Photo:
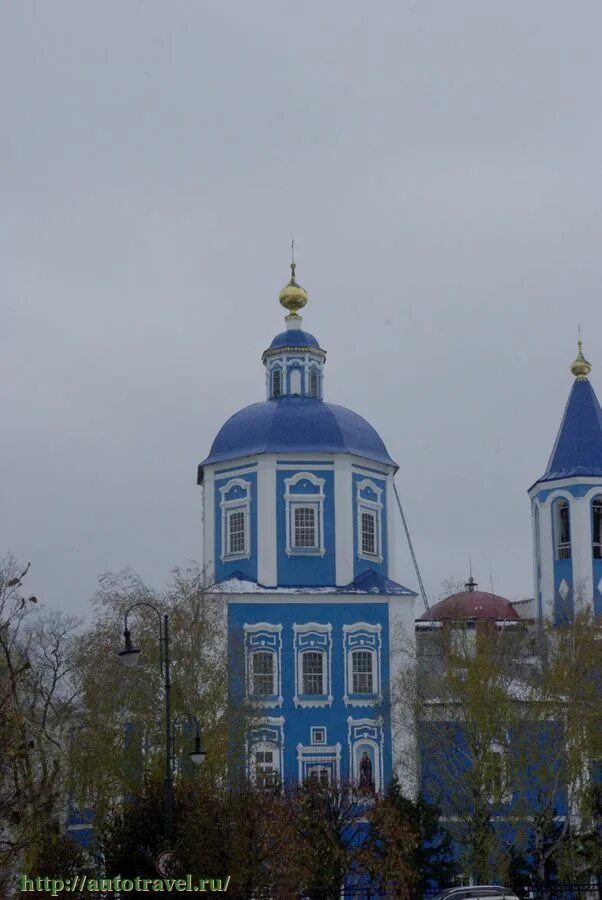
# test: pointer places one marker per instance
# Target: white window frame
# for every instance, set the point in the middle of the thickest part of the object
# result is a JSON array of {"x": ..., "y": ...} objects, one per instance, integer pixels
[
  {"x": 263, "y": 637},
  {"x": 277, "y": 367},
  {"x": 267, "y": 736},
  {"x": 500, "y": 750},
  {"x": 374, "y": 507},
  {"x": 323, "y": 772},
  {"x": 562, "y": 549},
  {"x": 322, "y": 656},
  {"x": 294, "y": 501},
  {"x": 227, "y": 507},
  {"x": 371, "y": 655},
  {"x": 252, "y": 674},
  {"x": 307, "y": 507},
  {"x": 367, "y": 637},
  {"x": 322, "y": 755},
  {"x": 596, "y": 503},
  {"x": 275, "y": 769},
  {"x": 312, "y": 637},
  {"x": 313, "y": 370}
]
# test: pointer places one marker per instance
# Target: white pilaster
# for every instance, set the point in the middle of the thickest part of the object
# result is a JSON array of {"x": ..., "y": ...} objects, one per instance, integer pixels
[
  {"x": 343, "y": 521},
  {"x": 535, "y": 544},
  {"x": 209, "y": 524},
  {"x": 581, "y": 543},
  {"x": 267, "y": 569},
  {"x": 547, "y": 560},
  {"x": 393, "y": 533}
]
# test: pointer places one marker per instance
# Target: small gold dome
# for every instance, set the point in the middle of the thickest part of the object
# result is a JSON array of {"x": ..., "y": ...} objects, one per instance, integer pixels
[
  {"x": 292, "y": 296},
  {"x": 581, "y": 368}
]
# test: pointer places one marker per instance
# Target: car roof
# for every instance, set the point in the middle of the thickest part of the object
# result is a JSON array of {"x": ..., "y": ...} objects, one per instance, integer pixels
[{"x": 477, "y": 887}]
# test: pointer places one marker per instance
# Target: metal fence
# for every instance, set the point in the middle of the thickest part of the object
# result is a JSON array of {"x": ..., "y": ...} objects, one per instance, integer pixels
[
  {"x": 561, "y": 891},
  {"x": 558, "y": 891}
]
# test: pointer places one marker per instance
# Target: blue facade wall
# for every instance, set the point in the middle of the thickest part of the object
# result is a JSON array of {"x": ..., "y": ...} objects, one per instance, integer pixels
[
  {"x": 535, "y": 782},
  {"x": 361, "y": 564},
  {"x": 223, "y": 567},
  {"x": 299, "y": 720},
  {"x": 306, "y": 570}
]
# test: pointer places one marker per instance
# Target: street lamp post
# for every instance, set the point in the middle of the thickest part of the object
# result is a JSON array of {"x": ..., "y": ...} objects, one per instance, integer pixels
[{"x": 129, "y": 657}]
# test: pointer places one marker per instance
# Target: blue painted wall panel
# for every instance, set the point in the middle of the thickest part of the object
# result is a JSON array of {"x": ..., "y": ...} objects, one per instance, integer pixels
[{"x": 299, "y": 720}]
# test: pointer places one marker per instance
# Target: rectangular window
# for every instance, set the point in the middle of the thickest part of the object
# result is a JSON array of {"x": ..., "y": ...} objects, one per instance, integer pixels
[
  {"x": 262, "y": 675},
  {"x": 313, "y": 382},
  {"x": 369, "y": 533},
  {"x": 304, "y": 527},
  {"x": 236, "y": 532},
  {"x": 265, "y": 772},
  {"x": 318, "y": 735},
  {"x": 276, "y": 382},
  {"x": 319, "y": 775},
  {"x": 313, "y": 672},
  {"x": 563, "y": 525},
  {"x": 363, "y": 679}
]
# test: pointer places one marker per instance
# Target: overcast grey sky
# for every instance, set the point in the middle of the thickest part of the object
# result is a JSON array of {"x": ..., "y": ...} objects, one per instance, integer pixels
[{"x": 439, "y": 163}]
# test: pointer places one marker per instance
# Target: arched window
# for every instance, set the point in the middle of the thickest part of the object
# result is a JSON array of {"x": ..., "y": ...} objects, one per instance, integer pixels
[
  {"x": 262, "y": 673},
  {"x": 562, "y": 529},
  {"x": 276, "y": 381},
  {"x": 597, "y": 527},
  {"x": 314, "y": 381},
  {"x": 313, "y": 672},
  {"x": 294, "y": 381}
]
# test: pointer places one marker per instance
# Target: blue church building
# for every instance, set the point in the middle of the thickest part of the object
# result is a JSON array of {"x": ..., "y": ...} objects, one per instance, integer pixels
[
  {"x": 300, "y": 536},
  {"x": 566, "y": 506}
]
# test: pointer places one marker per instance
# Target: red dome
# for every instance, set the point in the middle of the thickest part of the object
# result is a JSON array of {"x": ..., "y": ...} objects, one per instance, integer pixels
[{"x": 471, "y": 605}]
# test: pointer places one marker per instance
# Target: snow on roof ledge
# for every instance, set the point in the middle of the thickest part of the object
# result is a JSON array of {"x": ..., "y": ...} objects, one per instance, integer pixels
[{"x": 369, "y": 582}]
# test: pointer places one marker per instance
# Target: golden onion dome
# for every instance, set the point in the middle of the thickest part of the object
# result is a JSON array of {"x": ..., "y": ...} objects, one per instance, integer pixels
[
  {"x": 580, "y": 367},
  {"x": 292, "y": 296}
]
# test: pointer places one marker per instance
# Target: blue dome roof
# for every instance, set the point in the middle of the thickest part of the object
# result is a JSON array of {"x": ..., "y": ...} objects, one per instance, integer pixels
[
  {"x": 297, "y": 425},
  {"x": 294, "y": 338}
]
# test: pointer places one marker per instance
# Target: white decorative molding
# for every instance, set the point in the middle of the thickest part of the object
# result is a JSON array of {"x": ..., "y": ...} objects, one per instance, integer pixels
[
  {"x": 294, "y": 500},
  {"x": 267, "y": 734},
  {"x": 312, "y": 733},
  {"x": 236, "y": 504},
  {"x": 258, "y": 637},
  {"x": 375, "y": 508},
  {"x": 362, "y": 636},
  {"x": 312, "y": 636},
  {"x": 319, "y": 755}
]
